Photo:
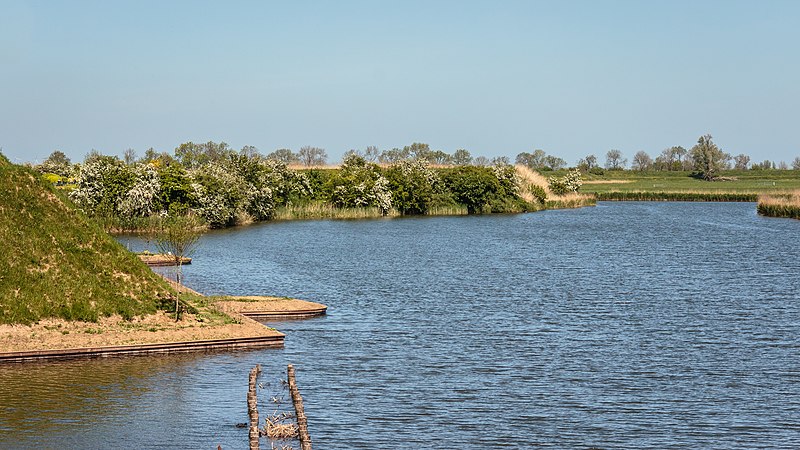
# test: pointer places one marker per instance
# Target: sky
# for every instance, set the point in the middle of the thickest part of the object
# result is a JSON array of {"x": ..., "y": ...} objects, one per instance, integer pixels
[{"x": 494, "y": 77}]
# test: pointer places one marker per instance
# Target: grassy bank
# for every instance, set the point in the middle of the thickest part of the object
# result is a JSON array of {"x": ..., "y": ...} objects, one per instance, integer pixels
[
  {"x": 667, "y": 185},
  {"x": 57, "y": 263},
  {"x": 780, "y": 205}
]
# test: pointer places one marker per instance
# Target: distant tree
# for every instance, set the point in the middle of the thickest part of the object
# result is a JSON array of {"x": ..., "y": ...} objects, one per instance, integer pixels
[
  {"x": 462, "y": 157},
  {"x": 708, "y": 159},
  {"x": 418, "y": 150},
  {"x": 764, "y": 165},
  {"x": 312, "y": 156},
  {"x": 554, "y": 162},
  {"x": 614, "y": 160},
  {"x": 129, "y": 156},
  {"x": 92, "y": 155},
  {"x": 501, "y": 161},
  {"x": 439, "y": 157},
  {"x": 642, "y": 161},
  {"x": 150, "y": 155},
  {"x": 393, "y": 156},
  {"x": 680, "y": 155},
  {"x": 535, "y": 160},
  {"x": 58, "y": 158},
  {"x": 250, "y": 151},
  {"x": 783, "y": 166},
  {"x": 178, "y": 238},
  {"x": 57, "y": 163},
  {"x": 588, "y": 163},
  {"x": 796, "y": 163},
  {"x": 193, "y": 155},
  {"x": 371, "y": 153},
  {"x": 285, "y": 156},
  {"x": 741, "y": 161},
  {"x": 481, "y": 161}
]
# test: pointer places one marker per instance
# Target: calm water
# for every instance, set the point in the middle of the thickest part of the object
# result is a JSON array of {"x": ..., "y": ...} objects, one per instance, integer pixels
[{"x": 628, "y": 325}]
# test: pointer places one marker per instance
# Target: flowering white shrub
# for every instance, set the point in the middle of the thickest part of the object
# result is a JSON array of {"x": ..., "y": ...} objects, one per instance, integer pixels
[
  {"x": 141, "y": 200},
  {"x": 506, "y": 174},
  {"x": 360, "y": 184},
  {"x": 284, "y": 182},
  {"x": 100, "y": 183},
  {"x": 570, "y": 182}
]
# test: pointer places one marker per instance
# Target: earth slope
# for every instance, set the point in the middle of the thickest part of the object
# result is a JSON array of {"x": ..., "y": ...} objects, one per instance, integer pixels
[{"x": 57, "y": 263}]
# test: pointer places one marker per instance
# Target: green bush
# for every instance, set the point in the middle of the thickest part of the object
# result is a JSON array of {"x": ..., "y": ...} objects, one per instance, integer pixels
[{"x": 413, "y": 185}]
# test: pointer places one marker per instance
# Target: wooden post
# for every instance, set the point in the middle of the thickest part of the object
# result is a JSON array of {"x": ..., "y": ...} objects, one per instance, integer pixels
[
  {"x": 302, "y": 423},
  {"x": 252, "y": 407}
]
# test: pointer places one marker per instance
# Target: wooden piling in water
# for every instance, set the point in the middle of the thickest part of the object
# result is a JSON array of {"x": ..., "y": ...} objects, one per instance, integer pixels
[
  {"x": 252, "y": 407},
  {"x": 302, "y": 423}
]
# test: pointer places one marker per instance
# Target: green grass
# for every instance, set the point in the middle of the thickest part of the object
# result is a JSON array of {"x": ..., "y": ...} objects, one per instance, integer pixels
[
  {"x": 663, "y": 183},
  {"x": 57, "y": 263}
]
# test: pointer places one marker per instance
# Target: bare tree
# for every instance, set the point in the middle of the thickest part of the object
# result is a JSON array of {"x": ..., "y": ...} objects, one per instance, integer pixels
[
  {"x": 796, "y": 163},
  {"x": 741, "y": 161},
  {"x": 588, "y": 163},
  {"x": 285, "y": 156},
  {"x": 178, "y": 238},
  {"x": 129, "y": 156},
  {"x": 312, "y": 156},
  {"x": 614, "y": 160},
  {"x": 641, "y": 161},
  {"x": 371, "y": 153},
  {"x": 481, "y": 161}
]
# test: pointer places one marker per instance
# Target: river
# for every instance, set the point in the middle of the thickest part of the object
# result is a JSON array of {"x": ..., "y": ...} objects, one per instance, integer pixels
[{"x": 627, "y": 325}]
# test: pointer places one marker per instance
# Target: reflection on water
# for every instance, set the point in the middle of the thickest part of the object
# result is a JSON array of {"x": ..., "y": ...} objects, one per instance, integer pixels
[{"x": 629, "y": 325}]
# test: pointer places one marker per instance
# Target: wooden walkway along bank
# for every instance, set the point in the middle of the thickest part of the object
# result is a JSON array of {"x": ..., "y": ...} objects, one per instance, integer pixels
[{"x": 141, "y": 349}]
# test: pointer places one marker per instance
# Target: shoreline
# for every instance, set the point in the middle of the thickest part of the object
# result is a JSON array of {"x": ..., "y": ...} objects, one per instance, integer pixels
[{"x": 54, "y": 339}]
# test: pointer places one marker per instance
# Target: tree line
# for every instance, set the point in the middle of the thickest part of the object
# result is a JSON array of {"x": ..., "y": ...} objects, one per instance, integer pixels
[{"x": 224, "y": 187}]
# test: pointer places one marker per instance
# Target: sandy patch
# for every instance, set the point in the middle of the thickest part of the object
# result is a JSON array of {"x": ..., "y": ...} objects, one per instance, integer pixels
[
  {"x": 271, "y": 304},
  {"x": 114, "y": 331}
]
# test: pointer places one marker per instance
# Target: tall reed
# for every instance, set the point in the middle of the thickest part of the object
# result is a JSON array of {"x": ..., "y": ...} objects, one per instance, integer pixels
[
  {"x": 780, "y": 205},
  {"x": 676, "y": 196}
]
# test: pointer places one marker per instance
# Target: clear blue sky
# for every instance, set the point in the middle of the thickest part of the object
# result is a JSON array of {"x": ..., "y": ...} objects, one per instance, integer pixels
[{"x": 494, "y": 77}]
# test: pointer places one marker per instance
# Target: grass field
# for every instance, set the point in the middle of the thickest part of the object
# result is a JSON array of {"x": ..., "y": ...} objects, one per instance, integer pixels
[{"x": 737, "y": 182}]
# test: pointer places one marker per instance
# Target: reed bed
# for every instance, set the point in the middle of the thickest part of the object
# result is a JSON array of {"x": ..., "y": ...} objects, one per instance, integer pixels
[
  {"x": 449, "y": 210},
  {"x": 571, "y": 200},
  {"x": 319, "y": 210},
  {"x": 780, "y": 205},
  {"x": 676, "y": 196}
]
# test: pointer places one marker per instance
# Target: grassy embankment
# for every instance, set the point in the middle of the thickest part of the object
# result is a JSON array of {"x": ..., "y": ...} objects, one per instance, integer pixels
[
  {"x": 58, "y": 264},
  {"x": 680, "y": 186}
]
